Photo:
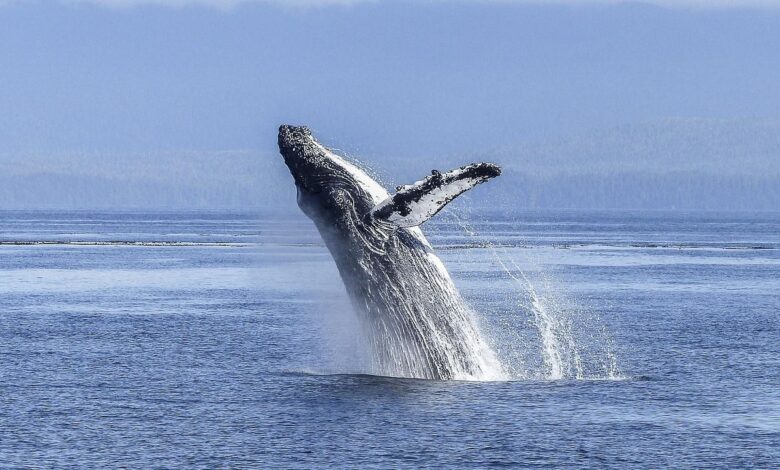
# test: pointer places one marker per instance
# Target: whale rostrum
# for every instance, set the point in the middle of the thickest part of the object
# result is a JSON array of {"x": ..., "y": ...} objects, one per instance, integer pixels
[{"x": 414, "y": 319}]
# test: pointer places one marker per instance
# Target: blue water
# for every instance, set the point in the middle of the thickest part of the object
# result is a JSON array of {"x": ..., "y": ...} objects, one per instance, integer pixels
[{"x": 202, "y": 340}]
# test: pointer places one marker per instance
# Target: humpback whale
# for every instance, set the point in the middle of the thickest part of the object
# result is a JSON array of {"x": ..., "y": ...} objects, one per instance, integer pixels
[{"x": 416, "y": 323}]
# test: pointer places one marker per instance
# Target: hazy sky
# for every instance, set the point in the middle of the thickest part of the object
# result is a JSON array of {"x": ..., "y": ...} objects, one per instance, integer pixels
[{"x": 383, "y": 77}]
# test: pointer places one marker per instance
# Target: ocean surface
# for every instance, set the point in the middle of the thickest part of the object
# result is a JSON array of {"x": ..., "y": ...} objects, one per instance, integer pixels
[{"x": 213, "y": 340}]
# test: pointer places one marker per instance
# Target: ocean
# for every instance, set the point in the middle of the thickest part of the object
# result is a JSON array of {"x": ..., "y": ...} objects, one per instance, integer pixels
[{"x": 226, "y": 340}]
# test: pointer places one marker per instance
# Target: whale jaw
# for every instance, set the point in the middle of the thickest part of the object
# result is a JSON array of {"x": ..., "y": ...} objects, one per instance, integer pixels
[{"x": 298, "y": 148}]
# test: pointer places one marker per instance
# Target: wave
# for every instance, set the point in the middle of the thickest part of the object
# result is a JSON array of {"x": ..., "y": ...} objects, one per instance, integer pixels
[
  {"x": 116, "y": 243},
  {"x": 362, "y": 376},
  {"x": 445, "y": 247},
  {"x": 618, "y": 245}
]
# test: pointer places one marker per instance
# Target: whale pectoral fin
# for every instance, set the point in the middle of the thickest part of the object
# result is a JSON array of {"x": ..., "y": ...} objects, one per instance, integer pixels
[{"x": 415, "y": 203}]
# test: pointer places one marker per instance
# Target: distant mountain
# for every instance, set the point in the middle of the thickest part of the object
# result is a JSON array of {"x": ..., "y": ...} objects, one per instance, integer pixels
[
  {"x": 673, "y": 164},
  {"x": 673, "y": 145},
  {"x": 168, "y": 180}
]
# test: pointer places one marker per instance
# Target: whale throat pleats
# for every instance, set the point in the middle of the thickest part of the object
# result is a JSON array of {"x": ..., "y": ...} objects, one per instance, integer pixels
[{"x": 415, "y": 203}]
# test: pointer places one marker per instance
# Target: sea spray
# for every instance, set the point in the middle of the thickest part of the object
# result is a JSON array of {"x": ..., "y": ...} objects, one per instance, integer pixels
[
  {"x": 426, "y": 332},
  {"x": 569, "y": 341},
  {"x": 415, "y": 326}
]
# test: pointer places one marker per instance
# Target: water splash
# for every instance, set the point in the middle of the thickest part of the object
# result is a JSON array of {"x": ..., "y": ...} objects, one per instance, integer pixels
[
  {"x": 414, "y": 320},
  {"x": 424, "y": 329},
  {"x": 571, "y": 342}
]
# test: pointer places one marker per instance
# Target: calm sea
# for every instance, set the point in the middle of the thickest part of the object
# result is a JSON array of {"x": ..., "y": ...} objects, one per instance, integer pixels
[{"x": 210, "y": 340}]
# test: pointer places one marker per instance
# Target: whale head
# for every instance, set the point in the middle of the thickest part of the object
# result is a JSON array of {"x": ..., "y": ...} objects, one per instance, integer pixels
[{"x": 326, "y": 182}]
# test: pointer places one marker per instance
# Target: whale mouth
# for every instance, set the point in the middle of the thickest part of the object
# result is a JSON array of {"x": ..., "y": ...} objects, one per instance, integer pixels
[{"x": 296, "y": 145}]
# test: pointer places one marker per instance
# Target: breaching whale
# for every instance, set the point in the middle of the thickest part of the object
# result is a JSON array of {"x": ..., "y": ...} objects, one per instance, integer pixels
[{"x": 416, "y": 322}]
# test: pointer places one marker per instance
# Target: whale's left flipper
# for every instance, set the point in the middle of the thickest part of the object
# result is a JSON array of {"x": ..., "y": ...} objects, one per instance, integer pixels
[{"x": 415, "y": 203}]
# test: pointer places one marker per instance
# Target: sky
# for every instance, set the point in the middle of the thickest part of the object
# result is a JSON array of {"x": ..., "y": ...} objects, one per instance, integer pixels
[{"x": 384, "y": 80}]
